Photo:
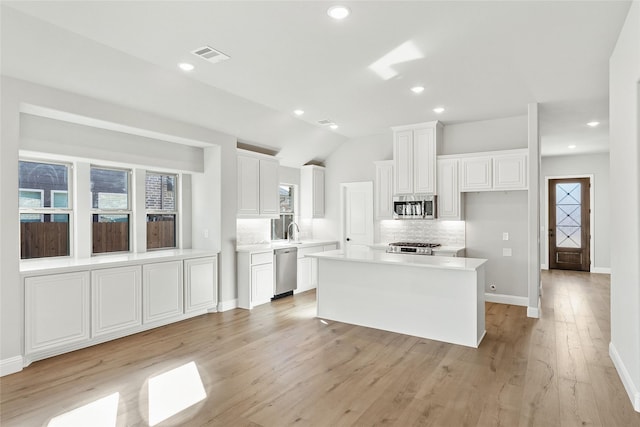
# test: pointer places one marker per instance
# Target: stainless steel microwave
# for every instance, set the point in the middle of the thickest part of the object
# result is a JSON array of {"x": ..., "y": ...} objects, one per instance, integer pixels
[{"x": 416, "y": 206}]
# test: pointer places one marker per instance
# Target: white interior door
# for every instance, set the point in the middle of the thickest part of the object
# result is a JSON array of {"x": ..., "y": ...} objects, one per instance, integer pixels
[{"x": 357, "y": 214}]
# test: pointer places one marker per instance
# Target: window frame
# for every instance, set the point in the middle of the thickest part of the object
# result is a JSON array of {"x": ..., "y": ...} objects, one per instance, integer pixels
[
  {"x": 42, "y": 210},
  {"x": 175, "y": 212},
  {"x": 98, "y": 211}
]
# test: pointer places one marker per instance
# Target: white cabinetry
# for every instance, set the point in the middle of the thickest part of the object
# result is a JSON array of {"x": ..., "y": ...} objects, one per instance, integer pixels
[
  {"x": 258, "y": 181},
  {"x": 384, "y": 190},
  {"x": 414, "y": 156},
  {"x": 311, "y": 191},
  {"x": 510, "y": 172},
  {"x": 116, "y": 299},
  {"x": 493, "y": 171},
  {"x": 450, "y": 201},
  {"x": 162, "y": 291},
  {"x": 255, "y": 278},
  {"x": 200, "y": 284},
  {"x": 56, "y": 310}
]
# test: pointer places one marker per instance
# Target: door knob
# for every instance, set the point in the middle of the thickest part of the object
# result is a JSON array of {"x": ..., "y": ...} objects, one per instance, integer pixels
[{"x": 348, "y": 239}]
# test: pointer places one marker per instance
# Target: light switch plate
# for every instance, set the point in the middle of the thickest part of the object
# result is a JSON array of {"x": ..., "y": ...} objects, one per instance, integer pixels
[
  {"x": 506, "y": 251},
  {"x": 505, "y": 236}
]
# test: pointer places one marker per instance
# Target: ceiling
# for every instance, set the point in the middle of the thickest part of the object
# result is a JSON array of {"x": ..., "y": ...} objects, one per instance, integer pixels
[{"x": 479, "y": 60}]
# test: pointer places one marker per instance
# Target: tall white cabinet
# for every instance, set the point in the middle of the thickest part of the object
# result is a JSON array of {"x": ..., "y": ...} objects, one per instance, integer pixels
[
  {"x": 383, "y": 197},
  {"x": 312, "y": 191},
  {"x": 415, "y": 148},
  {"x": 258, "y": 182}
]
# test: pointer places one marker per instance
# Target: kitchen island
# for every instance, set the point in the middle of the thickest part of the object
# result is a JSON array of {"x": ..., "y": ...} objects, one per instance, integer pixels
[{"x": 438, "y": 298}]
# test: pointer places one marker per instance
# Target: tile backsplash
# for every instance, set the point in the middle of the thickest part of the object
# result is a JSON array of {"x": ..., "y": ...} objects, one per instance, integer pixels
[
  {"x": 254, "y": 231},
  {"x": 447, "y": 233}
]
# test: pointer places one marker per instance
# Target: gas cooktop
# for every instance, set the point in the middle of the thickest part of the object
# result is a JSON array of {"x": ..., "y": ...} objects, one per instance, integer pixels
[
  {"x": 415, "y": 244},
  {"x": 417, "y": 248}
]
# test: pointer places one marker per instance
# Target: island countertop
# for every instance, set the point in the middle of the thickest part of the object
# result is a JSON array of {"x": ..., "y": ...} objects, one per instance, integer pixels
[{"x": 367, "y": 255}]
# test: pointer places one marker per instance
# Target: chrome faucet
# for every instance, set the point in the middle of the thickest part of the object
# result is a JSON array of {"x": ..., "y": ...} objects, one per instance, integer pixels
[{"x": 289, "y": 230}]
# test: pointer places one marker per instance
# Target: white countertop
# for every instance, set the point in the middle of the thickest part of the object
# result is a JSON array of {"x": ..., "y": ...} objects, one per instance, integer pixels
[
  {"x": 376, "y": 256},
  {"x": 60, "y": 265},
  {"x": 264, "y": 247}
]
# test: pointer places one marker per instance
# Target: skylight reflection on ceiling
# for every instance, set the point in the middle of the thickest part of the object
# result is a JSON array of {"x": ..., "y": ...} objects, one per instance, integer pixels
[
  {"x": 174, "y": 391},
  {"x": 406, "y": 52},
  {"x": 99, "y": 413}
]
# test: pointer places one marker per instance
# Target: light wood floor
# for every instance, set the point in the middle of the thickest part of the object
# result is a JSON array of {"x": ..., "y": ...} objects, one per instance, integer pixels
[{"x": 278, "y": 365}]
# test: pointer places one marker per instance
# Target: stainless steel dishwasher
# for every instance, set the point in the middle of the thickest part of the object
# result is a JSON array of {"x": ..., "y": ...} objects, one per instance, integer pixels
[{"x": 286, "y": 271}]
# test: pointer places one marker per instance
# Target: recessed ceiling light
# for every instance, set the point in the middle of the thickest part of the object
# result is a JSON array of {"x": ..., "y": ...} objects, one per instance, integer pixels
[
  {"x": 338, "y": 12},
  {"x": 593, "y": 124},
  {"x": 572, "y": 146},
  {"x": 333, "y": 126},
  {"x": 438, "y": 110},
  {"x": 417, "y": 89},
  {"x": 185, "y": 66},
  {"x": 298, "y": 112}
]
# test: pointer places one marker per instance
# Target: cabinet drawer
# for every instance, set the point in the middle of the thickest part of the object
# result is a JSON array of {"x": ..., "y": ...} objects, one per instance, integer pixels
[{"x": 262, "y": 258}]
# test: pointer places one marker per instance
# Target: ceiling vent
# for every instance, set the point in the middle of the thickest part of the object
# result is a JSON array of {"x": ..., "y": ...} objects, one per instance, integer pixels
[
  {"x": 325, "y": 122},
  {"x": 210, "y": 54}
]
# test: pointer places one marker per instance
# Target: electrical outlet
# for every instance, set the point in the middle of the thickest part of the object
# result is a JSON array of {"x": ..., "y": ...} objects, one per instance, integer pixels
[
  {"x": 206, "y": 233},
  {"x": 492, "y": 287},
  {"x": 505, "y": 236},
  {"x": 506, "y": 251}
]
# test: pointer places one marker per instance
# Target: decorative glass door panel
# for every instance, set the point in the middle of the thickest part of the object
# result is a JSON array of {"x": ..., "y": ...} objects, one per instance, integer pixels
[{"x": 569, "y": 224}]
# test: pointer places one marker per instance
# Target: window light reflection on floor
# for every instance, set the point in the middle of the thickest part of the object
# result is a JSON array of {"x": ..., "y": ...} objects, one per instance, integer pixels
[
  {"x": 174, "y": 391},
  {"x": 99, "y": 413}
]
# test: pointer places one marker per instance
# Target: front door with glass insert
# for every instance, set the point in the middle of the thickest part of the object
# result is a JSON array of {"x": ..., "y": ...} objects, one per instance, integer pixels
[{"x": 569, "y": 235}]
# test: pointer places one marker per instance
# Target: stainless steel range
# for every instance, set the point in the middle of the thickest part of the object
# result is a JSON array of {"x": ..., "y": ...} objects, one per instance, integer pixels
[{"x": 416, "y": 248}]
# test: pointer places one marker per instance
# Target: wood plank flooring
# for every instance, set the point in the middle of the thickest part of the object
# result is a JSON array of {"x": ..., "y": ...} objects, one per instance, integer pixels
[{"x": 278, "y": 365}]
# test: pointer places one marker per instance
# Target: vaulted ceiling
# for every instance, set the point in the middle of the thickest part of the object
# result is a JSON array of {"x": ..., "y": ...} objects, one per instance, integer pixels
[{"x": 479, "y": 60}]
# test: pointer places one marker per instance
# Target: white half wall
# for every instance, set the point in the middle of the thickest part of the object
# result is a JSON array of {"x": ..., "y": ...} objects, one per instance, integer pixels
[{"x": 624, "y": 158}]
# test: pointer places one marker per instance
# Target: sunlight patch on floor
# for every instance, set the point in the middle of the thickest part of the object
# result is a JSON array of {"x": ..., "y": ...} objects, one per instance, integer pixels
[
  {"x": 99, "y": 413},
  {"x": 174, "y": 391}
]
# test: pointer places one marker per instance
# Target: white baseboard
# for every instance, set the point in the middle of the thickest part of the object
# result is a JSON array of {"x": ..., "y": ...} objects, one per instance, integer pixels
[
  {"x": 228, "y": 305},
  {"x": 627, "y": 381},
  {"x": 11, "y": 365},
  {"x": 544, "y": 267},
  {"x": 602, "y": 270},
  {"x": 506, "y": 299},
  {"x": 534, "y": 312}
]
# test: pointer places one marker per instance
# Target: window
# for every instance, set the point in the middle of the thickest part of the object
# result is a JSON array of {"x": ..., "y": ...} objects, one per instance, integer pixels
[
  {"x": 280, "y": 226},
  {"x": 111, "y": 212},
  {"x": 45, "y": 211},
  {"x": 162, "y": 211}
]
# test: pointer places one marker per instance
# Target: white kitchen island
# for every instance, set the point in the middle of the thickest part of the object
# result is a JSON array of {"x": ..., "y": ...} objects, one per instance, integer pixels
[{"x": 438, "y": 298}]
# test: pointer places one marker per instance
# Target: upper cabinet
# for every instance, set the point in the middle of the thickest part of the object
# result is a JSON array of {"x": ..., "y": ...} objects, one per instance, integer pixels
[
  {"x": 312, "y": 191},
  {"x": 258, "y": 181},
  {"x": 450, "y": 201},
  {"x": 384, "y": 190},
  {"x": 414, "y": 157},
  {"x": 493, "y": 171}
]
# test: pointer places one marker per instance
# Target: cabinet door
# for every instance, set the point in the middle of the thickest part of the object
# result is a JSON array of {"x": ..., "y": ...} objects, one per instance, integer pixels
[
  {"x": 510, "y": 172},
  {"x": 161, "y": 291},
  {"x": 304, "y": 274},
  {"x": 424, "y": 161},
  {"x": 56, "y": 310},
  {"x": 248, "y": 186},
  {"x": 384, "y": 190},
  {"x": 201, "y": 283},
  {"x": 269, "y": 183},
  {"x": 475, "y": 174},
  {"x": 261, "y": 283},
  {"x": 116, "y": 302},
  {"x": 403, "y": 162},
  {"x": 318, "y": 193},
  {"x": 449, "y": 200}
]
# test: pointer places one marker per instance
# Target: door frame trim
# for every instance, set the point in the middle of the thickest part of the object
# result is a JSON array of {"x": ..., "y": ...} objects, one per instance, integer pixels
[{"x": 545, "y": 204}]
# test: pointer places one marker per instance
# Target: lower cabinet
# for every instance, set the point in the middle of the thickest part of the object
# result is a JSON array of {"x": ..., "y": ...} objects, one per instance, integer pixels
[
  {"x": 261, "y": 283},
  {"x": 56, "y": 310},
  {"x": 255, "y": 278},
  {"x": 200, "y": 290},
  {"x": 116, "y": 302},
  {"x": 162, "y": 291}
]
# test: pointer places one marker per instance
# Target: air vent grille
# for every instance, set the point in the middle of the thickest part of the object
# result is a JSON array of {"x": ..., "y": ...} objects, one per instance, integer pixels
[
  {"x": 325, "y": 122},
  {"x": 210, "y": 54}
]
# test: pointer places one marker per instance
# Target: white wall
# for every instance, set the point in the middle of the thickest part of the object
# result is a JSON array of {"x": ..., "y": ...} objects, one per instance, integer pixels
[
  {"x": 486, "y": 135},
  {"x": 624, "y": 154},
  {"x": 488, "y": 215},
  {"x": 581, "y": 165}
]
